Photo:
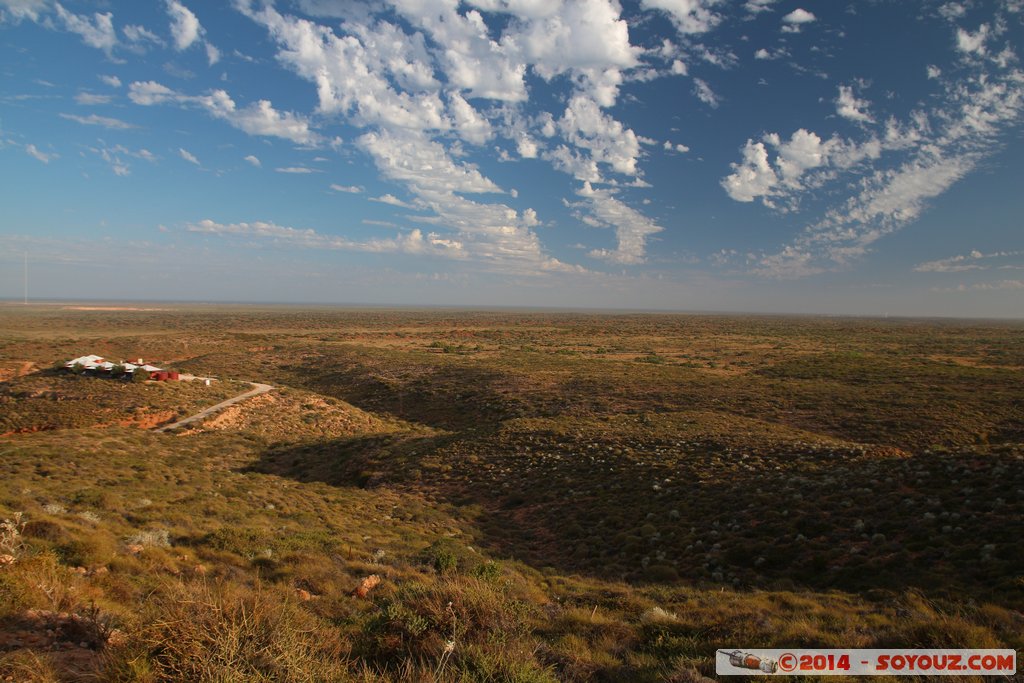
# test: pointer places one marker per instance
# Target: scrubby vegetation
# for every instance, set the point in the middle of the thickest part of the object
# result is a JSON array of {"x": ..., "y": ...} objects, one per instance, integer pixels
[{"x": 459, "y": 496}]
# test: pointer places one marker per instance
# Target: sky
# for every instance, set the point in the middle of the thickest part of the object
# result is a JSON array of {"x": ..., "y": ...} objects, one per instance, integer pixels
[{"x": 829, "y": 157}]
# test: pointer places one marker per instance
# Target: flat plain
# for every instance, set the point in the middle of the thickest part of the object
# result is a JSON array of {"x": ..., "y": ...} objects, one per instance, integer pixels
[{"x": 543, "y": 496}]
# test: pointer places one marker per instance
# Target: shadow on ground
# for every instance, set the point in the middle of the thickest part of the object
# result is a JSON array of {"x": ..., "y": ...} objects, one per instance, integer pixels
[{"x": 854, "y": 519}]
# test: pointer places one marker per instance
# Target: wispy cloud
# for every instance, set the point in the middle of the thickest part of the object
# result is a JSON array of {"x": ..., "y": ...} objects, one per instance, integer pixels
[
  {"x": 412, "y": 242},
  {"x": 998, "y": 286},
  {"x": 89, "y": 99},
  {"x": 95, "y": 120},
  {"x": 926, "y": 154},
  {"x": 188, "y": 156},
  {"x": 974, "y": 260},
  {"x": 35, "y": 152},
  {"x": 259, "y": 118}
]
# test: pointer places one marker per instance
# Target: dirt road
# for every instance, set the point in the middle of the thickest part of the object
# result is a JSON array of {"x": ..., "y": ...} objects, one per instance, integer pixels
[{"x": 256, "y": 391}]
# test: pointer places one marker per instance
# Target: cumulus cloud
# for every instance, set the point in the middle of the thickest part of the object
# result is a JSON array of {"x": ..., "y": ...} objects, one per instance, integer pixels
[
  {"x": 258, "y": 118},
  {"x": 350, "y": 189},
  {"x": 97, "y": 32},
  {"x": 254, "y": 161},
  {"x": 112, "y": 81},
  {"x": 185, "y": 26},
  {"x": 758, "y": 176},
  {"x": 935, "y": 149},
  {"x": 972, "y": 43},
  {"x": 850, "y": 107},
  {"x": 385, "y": 77},
  {"x": 689, "y": 16},
  {"x": 186, "y": 31},
  {"x": 799, "y": 16},
  {"x": 608, "y": 141}
]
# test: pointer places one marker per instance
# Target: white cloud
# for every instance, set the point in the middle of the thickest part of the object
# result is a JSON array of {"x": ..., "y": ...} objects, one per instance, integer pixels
[
  {"x": 758, "y": 6},
  {"x": 296, "y": 170},
  {"x": 350, "y": 189},
  {"x": 939, "y": 148},
  {"x": 253, "y": 160},
  {"x": 753, "y": 177},
  {"x": 188, "y": 156},
  {"x": 94, "y": 120},
  {"x": 185, "y": 26},
  {"x": 471, "y": 126},
  {"x": 140, "y": 36},
  {"x": 799, "y": 16},
  {"x": 689, "y": 16},
  {"x": 116, "y": 157},
  {"x": 23, "y": 9},
  {"x": 756, "y": 176},
  {"x": 392, "y": 200},
  {"x": 527, "y": 146},
  {"x": 607, "y": 140},
  {"x": 44, "y": 157},
  {"x": 379, "y": 76},
  {"x": 705, "y": 94},
  {"x": 89, "y": 99},
  {"x": 972, "y": 43},
  {"x": 424, "y": 164},
  {"x": 850, "y": 107},
  {"x": 413, "y": 242},
  {"x": 600, "y": 208},
  {"x": 259, "y": 118},
  {"x": 112, "y": 81},
  {"x": 952, "y": 11},
  {"x": 933, "y": 71},
  {"x": 975, "y": 260},
  {"x": 98, "y": 32},
  {"x": 186, "y": 31}
]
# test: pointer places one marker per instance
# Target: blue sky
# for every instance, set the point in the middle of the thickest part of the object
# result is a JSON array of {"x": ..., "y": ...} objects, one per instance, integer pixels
[{"x": 768, "y": 155}]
